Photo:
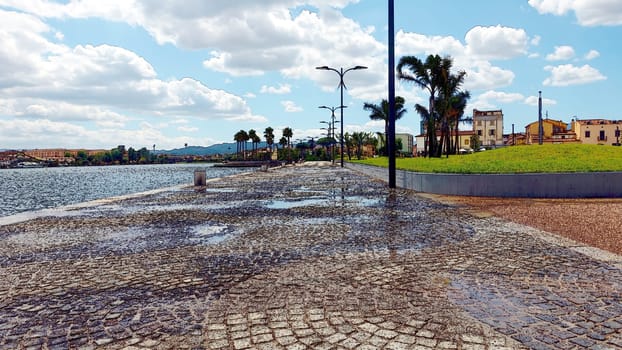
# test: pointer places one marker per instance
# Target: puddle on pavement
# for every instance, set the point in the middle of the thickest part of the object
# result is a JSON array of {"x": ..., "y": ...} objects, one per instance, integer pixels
[
  {"x": 359, "y": 201},
  {"x": 285, "y": 204},
  {"x": 211, "y": 233}
]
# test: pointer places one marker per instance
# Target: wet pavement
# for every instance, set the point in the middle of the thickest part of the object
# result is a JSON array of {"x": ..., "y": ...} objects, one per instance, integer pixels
[{"x": 305, "y": 257}]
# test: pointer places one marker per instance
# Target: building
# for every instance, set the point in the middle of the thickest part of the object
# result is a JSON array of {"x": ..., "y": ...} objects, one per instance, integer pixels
[
  {"x": 488, "y": 125},
  {"x": 553, "y": 131},
  {"x": 597, "y": 131},
  {"x": 464, "y": 139},
  {"x": 60, "y": 155},
  {"x": 408, "y": 146}
]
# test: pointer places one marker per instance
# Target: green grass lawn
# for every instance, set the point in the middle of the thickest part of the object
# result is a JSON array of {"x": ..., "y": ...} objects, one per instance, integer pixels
[{"x": 517, "y": 159}]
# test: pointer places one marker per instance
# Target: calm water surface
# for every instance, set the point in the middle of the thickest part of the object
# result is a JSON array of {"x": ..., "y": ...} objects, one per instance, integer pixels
[{"x": 41, "y": 188}]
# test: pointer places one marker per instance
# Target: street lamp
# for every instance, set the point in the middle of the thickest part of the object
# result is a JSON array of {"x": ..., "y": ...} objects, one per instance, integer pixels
[
  {"x": 332, "y": 118},
  {"x": 342, "y": 85}
]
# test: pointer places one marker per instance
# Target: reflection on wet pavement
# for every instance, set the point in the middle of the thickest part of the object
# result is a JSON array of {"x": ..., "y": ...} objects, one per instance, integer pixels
[{"x": 297, "y": 257}]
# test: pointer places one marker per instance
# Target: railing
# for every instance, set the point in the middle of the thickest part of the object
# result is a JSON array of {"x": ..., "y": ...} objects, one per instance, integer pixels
[{"x": 602, "y": 138}]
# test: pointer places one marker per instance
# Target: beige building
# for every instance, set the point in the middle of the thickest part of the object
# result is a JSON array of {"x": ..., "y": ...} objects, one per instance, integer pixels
[
  {"x": 58, "y": 154},
  {"x": 408, "y": 143},
  {"x": 597, "y": 131},
  {"x": 464, "y": 139},
  {"x": 488, "y": 125}
]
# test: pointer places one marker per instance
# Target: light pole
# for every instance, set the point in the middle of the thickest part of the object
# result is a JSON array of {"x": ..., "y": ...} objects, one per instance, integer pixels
[
  {"x": 332, "y": 119},
  {"x": 342, "y": 85}
]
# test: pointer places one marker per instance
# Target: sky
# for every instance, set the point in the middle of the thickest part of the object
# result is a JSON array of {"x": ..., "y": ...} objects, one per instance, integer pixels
[{"x": 96, "y": 74}]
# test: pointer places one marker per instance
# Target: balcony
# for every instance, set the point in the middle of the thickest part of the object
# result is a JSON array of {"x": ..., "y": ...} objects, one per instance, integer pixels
[{"x": 602, "y": 139}]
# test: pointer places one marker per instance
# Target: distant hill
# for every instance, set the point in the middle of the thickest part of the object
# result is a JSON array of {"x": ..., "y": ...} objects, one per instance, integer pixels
[{"x": 223, "y": 148}]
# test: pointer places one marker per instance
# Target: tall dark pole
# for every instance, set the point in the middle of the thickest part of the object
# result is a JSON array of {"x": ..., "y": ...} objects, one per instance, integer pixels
[
  {"x": 540, "y": 128},
  {"x": 391, "y": 131},
  {"x": 342, "y": 85}
]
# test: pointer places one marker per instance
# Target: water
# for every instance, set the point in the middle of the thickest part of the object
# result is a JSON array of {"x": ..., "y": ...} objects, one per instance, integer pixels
[{"x": 24, "y": 190}]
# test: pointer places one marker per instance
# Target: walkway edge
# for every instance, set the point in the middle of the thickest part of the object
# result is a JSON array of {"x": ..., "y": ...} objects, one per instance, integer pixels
[{"x": 540, "y": 185}]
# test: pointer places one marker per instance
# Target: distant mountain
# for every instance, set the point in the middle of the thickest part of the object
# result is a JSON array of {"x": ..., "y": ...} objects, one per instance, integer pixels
[{"x": 223, "y": 148}]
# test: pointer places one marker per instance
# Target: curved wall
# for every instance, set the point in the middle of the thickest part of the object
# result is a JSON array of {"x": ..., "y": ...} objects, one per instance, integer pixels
[{"x": 553, "y": 185}]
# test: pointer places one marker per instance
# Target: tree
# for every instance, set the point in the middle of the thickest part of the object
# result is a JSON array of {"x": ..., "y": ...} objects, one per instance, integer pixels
[
  {"x": 283, "y": 142},
  {"x": 475, "y": 142},
  {"x": 450, "y": 104},
  {"x": 240, "y": 138},
  {"x": 288, "y": 133},
  {"x": 428, "y": 75},
  {"x": 381, "y": 111},
  {"x": 268, "y": 134},
  {"x": 252, "y": 135}
]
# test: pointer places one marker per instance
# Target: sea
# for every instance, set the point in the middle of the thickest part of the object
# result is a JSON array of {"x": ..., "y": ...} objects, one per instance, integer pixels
[{"x": 31, "y": 189}]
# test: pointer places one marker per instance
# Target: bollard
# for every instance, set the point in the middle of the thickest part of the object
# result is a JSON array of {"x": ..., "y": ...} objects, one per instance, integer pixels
[{"x": 200, "y": 178}]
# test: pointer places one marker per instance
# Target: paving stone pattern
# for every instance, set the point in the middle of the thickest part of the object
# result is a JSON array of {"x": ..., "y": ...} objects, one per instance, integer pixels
[{"x": 304, "y": 257}]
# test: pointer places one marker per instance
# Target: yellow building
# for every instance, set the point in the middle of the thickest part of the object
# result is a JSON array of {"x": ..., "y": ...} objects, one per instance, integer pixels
[
  {"x": 553, "y": 131},
  {"x": 598, "y": 131}
]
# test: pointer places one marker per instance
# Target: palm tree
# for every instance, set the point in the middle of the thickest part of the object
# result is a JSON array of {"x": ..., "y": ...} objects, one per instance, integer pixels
[
  {"x": 252, "y": 135},
  {"x": 428, "y": 75},
  {"x": 288, "y": 133},
  {"x": 381, "y": 111},
  {"x": 268, "y": 134},
  {"x": 241, "y": 137},
  {"x": 358, "y": 139},
  {"x": 237, "y": 137},
  {"x": 457, "y": 105},
  {"x": 450, "y": 103}
]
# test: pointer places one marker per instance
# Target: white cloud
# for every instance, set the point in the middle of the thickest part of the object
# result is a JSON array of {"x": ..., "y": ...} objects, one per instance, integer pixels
[
  {"x": 592, "y": 55},
  {"x": 535, "y": 41},
  {"x": 280, "y": 90},
  {"x": 291, "y": 107},
  {"x": 533, "y": 101},
  {"x": 187, "y": 129},
  {"x": 496, "y": 42},
  {"x": 568, "y": 74},
  {"x": 502, "y": 97},
  {"x": 562, "y": 53},
  {"x": 481, "y": 74},
  {"x": 588, "y": 12}
]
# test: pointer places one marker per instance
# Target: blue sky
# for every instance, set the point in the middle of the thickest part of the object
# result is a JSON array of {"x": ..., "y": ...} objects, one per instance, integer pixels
[{"x": 97, "y": 74}]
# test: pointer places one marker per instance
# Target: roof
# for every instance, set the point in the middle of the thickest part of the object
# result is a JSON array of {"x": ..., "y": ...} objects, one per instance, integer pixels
[{"x": 598, "y": 121}]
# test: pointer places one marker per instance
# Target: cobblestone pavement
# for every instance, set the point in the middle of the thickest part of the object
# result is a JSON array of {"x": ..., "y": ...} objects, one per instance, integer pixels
[{"x": 305, "y": 257}]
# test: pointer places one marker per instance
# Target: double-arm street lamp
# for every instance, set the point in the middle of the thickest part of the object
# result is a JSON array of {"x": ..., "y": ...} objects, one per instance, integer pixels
[
  {"x": 342, "y": 85},
  {"x": 331, "y": 124}
]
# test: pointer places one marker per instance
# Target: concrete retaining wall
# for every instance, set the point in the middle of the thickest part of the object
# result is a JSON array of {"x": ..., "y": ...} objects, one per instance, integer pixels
[{"x": 554, "y": 185}]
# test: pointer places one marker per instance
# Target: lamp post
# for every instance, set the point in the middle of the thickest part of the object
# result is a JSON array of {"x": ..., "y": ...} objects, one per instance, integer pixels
[
  {"x": 342, "y": 85},
  {"x": 391, "y": 83},
  {"x": 332, "y": 125}
]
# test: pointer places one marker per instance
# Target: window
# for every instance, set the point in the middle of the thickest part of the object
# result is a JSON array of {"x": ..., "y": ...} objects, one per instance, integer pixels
[
  {"x": 467, "y": 142},
  {"x": 479, "y": 133},
  {"x": 602, "y": 136},
  {"x": 491, "y": 132},
  {"x": 587, "y": 134}
]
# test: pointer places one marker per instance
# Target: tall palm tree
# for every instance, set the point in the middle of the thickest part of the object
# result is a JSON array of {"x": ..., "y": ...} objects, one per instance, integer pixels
[
  {"x": 268, "y": 134},
  {"x": 252, "y": 135},
  {"x": 428, "y": 75},
  {"x": 457, "y": 105},
  {"x": 449, "y": 102},
  {"x": 288, "y": 133},
  {"x": 241, "y": 137},
  {"x": 381, "y": 111}
]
